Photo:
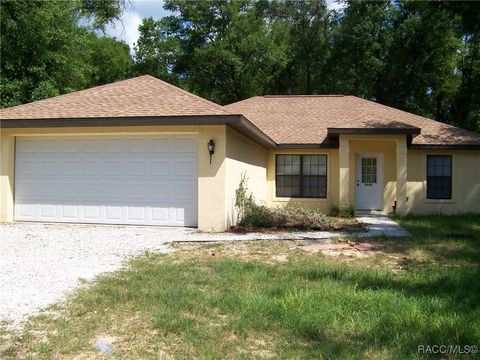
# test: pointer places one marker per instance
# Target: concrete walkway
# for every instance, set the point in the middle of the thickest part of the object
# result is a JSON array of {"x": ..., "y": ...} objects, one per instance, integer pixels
[
  {"x": 376, "y": 225},
  {"x": 381, "y": 226}
]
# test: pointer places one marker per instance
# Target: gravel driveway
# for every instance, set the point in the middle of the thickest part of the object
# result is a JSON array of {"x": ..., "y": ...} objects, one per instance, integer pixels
[{"x": 40, "y": 262}]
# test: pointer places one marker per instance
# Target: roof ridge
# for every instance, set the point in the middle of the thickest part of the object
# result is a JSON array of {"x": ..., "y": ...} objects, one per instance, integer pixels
[
  {"x": 179, "y": 89},
  {"x": 136, "y": 78},
  {"x": 300, "y": 95}
]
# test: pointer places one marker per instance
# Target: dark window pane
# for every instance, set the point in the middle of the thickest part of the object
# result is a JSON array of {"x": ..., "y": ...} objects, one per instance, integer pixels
[
  {"x": 301, "y": 176},
  {"x": 439, "y": 177}
]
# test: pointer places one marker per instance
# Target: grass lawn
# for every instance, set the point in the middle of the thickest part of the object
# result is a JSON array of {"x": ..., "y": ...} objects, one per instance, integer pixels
[{"x": 275, "y": 300}]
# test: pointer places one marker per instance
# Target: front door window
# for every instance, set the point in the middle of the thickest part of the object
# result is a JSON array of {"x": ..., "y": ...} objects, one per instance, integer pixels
[{"x": 369, "y": 170}]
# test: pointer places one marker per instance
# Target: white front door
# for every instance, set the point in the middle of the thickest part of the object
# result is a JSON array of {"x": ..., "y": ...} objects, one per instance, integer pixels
[
  {"x": 369, "y": 182},
  {"x": 141, "y": 180}
]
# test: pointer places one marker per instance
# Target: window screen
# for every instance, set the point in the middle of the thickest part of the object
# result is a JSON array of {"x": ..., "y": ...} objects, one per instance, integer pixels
[
  {"x": 439, "y": 177},
  {"x": 301, "y": 176}
]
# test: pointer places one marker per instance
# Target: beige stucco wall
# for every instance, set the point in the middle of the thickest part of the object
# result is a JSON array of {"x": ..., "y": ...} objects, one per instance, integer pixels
[
  {"x": 211, "y": 178},
  {"x": 465, "y": 183},
  {"x": 235, "y": 154},
  {"x": 323, "y": 204},
  {"x": 244, "y": 156},
  {"x": 7, "y": 150}
]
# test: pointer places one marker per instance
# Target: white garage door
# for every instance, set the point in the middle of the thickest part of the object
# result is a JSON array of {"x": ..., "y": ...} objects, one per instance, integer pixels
[{"x": 113, "y": 180}]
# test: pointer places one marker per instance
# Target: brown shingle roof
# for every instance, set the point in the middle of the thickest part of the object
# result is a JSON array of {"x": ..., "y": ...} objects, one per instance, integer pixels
[
  {"x": 136, "y": 97},
  {"x": 285, "y": 119},
  {"x": 305, "y": 119}
]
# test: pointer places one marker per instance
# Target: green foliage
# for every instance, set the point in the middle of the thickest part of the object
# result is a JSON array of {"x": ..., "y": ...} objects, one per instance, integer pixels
[
  {"x": 101, "y": 12},
  {"x": 224, "y": 49},
  {"x": 155, "y": 52},
  {"x": 345, "y": 211},
  {"x": 46, "y": 52},
  {"x": 251, "y": 214}
]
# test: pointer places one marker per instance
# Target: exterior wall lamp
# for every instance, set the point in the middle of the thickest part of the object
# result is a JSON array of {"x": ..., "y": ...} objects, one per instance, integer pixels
[{"x": 211, "y": 149}]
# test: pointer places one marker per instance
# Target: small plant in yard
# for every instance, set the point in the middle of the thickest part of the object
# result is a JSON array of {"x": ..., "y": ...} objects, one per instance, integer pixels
[
  {"x": 251, "y": 214},
  {"x": 345, "y": 211}
]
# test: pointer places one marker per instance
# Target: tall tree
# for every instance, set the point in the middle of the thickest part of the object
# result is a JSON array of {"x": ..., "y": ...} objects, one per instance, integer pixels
[
  {"x": 306, "y": 24},
  {"x": 225, "y": 51},
  {"x": 359, "y": 43},
  {"x": 46, "y": 51},
  {"x": 420, "y": 72},
  {"x": 156, "y": 52}
]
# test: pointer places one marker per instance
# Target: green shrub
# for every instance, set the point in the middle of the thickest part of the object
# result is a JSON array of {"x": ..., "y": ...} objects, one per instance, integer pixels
[
  {"x": 345, "y": 211},
  {"x": 251, "y": 214}
]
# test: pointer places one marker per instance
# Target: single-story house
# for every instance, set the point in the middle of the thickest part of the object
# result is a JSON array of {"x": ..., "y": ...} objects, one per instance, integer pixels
[{"x": 142, "y": 151}]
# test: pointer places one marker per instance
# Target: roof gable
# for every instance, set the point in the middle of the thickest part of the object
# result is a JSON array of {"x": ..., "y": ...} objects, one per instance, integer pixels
[{"x": 137, "y": 97}]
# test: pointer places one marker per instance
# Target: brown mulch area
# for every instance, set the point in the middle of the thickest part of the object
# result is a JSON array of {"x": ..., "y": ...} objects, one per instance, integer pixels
[{"x": 350, "y": 225}]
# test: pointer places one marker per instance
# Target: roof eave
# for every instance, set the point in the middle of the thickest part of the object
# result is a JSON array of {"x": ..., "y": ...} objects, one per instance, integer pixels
[
  {"x": 297, "y": 146},
  {"x": 445, "y": 147},
  {"x": 238, "y": 122},
  {"x": 336, "y": 132}
]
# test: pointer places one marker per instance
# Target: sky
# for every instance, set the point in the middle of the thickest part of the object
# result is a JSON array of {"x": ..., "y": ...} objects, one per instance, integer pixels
[{"x": 127, "y": 27}]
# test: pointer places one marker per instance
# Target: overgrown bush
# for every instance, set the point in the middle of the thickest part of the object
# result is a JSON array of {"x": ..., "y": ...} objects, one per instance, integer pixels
[
  {"x": 251, "y": 214},
  {"x": 345, "y": 211}
]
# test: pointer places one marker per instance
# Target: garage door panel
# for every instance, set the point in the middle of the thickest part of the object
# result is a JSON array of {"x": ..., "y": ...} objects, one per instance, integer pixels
[
  {"x": 92, "y": 167},
  {"x": 70, "y": 167},
  {"x": 162, "y": 167},
  {"x": 161, "y": 191},
  {"x": 69, "y": 212},
  {"x": 118, "y": 180},
  {"x": 91, "y": 190},
  {"x": 136, "y": 213},
  {"x": 113, "y": 213},
  {"x": 138, "y": 167},
  {"x": 71, "y": 147},
  {"x": 27, "y": 146},
  {"x": 161, "y": 145},
  {"x": 137, "y": 145},
  {"x": 50, "y": 167},
  {"x": 93, "y": 146},
  {"x": 50, "y": 146},
  {"x": 160, "y": 215},
  {"x": 114, "y": 145},
  {"x": 48, "y": 211},
  {"x": 30, "y": 168},
  {"x": 114, "y": 168},
  {"x": 25, "y": 210},
  {"x": 42, "y": 189},
  {"x": 136, "y": 191},
  {"x": 111, "y": 190}
]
